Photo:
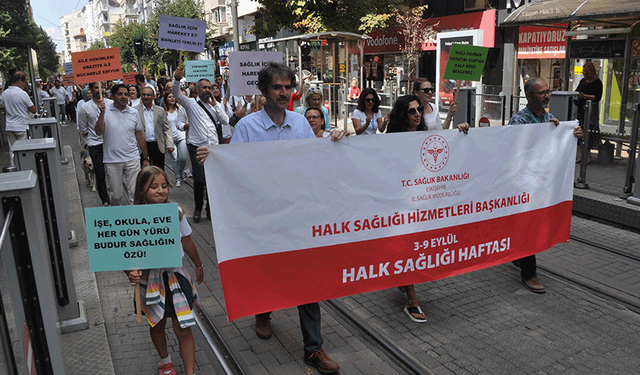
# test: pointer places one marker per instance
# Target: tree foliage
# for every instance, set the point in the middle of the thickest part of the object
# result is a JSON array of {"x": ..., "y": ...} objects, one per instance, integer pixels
[
  {"x": 97, "y": 44},
  {"x": 15, "y": 22},
  {"x": 316, "y": 16},
  {"x": 124, "y": 34},
  {"x": 412, "y": 25}
]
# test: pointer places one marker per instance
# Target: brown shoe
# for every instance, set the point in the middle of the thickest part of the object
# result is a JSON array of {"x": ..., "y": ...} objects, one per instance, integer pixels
[
  {"x": 263, "y": 325},
  {"x": 533, "y": 285},
  {"x": 322, "y": 362}
]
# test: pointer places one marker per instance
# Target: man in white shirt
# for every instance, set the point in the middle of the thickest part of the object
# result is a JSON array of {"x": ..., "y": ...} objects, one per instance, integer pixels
[
  {"x": 122, "y": 133},
  {"x": 157, "y": 130},
  {"x": 18, "y": 106},
  {"x": 61, "y": 99},
  {"x": 208, "y": 124},
  {"x": 87, "y": 117}
]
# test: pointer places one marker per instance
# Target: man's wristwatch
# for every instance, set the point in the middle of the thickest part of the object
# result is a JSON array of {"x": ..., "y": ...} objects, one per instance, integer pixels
[{"x": 145, "y": 158}]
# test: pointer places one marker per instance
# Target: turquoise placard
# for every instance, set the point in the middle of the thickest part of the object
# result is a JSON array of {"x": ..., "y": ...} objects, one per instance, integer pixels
[
  {"x": 198, "y": 69},
  {"x": 133, "y": 237}
]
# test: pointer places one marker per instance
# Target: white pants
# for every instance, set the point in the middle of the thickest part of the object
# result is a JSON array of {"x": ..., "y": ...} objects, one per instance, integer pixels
[
  {"x": 121, "y": 181},
  {"x": 12, "y": 137}
]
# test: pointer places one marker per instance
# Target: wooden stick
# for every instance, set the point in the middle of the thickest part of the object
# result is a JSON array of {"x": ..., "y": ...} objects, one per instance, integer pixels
[
  {"x": 100, "y": 88},
  {"x": 455, "y": 97},
  {"x": 180, "y": 59},
  {"x": 138, "y": 304}
]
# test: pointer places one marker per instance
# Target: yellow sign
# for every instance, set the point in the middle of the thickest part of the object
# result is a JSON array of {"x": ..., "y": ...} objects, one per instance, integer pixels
[
  {"x": 577, "y": 69},
  {"x": 106, "y": 34},
  {"x": 342, "y": 68}
]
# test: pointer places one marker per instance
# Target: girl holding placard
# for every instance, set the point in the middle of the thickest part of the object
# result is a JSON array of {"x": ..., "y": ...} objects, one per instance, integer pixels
[{"x": 167, "y": 292}]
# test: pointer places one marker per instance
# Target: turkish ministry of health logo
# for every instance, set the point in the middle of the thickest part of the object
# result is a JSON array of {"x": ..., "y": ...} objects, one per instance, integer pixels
[{"x": 434, "y": 153}]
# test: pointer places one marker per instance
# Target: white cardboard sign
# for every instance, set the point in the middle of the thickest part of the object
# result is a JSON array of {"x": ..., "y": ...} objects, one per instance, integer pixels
[
  {"x": 182, "y": 33},
  {"x": 244, "y": 68}
]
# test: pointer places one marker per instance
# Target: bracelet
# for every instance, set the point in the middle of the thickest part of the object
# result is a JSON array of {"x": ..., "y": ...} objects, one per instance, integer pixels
[
  {"x": 146, "y": 158},
  {"x": 201, "y": 267}
]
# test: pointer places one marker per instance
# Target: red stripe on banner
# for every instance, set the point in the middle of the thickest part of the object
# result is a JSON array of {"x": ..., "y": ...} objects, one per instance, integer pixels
[{"x": 270, "y": 282}]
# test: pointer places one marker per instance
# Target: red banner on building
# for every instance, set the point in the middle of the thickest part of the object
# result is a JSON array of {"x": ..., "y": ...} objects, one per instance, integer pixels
[{"x": 541, "y": 43}]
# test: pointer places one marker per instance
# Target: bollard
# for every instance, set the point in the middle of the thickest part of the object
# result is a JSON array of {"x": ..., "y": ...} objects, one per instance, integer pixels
[
  {"x": 51, "y": 107},
  {"x": 37, "y": 339},
  {"x": 40, "y": 155},
  {"x": 561, "y": 104},
  {"x": 582, "y": 179},
  {"x": 47, "y": 127},
  {"x": 628, "y": 179}
]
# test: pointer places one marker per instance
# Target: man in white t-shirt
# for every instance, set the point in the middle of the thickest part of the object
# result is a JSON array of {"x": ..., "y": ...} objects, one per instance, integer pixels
[
  {"x": 122, "y": 133},
  {"x": 18, "y": 106},
  {"x": 61, "y": 99}
]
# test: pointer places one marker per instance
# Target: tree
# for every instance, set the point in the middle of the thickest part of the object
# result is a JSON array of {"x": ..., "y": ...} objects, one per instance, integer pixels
[
  {"x": 315, "y": 16},
  {"x": 123, "y": 36},
  {"x": 412, "y": 25},
  {"x": 15, "y": 21},
  {"x": 97, "y": 44}
]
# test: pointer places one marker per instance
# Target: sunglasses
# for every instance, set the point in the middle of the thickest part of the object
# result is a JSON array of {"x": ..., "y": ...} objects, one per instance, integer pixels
[
  {"x": 369, "y": 100},
  {"x": 427, "y": 90},
  {"x": 413, "y": 111}
]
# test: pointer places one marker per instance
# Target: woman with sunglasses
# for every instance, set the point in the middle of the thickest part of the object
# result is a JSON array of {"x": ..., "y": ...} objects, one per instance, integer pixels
[
  {"x": 423, "y": 89},
  {"x": 368, "y": 117},
  {"x": 407, "y": 116}
]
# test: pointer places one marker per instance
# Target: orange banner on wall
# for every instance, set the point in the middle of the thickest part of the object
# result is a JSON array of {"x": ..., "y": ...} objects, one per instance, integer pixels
[{"x": 96, "y": 65}]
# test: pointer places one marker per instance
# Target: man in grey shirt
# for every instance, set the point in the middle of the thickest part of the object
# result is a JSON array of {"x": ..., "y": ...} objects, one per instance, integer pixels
[{"x": 122, "y": 133}]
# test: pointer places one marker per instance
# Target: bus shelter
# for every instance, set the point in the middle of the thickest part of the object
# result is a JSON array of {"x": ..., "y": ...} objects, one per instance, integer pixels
[{"x": 332, "y": 58}]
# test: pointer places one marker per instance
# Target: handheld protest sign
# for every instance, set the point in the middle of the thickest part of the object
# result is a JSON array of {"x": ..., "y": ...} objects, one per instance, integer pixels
[
  {"x": 68, "y": 68},
  {"x": 182, "y": 33},
  {"x": 244, "y": 68},
  {"x": 133, "y": 237},
  {"x": 96, "y": 65},
  {"x": 68, "y": 80},
  {"x": 129, "y": 78},
  {"x": 198, "y": 69},
  {"x": 465, "y": 63}
]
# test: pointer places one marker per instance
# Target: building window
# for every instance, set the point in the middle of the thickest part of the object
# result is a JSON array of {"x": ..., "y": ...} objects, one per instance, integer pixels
[{"x": 220, "y": 14}]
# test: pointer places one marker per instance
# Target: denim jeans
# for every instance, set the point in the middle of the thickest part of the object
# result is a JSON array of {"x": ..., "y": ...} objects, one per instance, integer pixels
[
  {"x": 63, "y": 111},
  {"x": 179, "y": 157}
]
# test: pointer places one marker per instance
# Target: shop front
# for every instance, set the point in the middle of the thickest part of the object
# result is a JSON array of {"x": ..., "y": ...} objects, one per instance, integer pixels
[{"x": 386, "y": 69}]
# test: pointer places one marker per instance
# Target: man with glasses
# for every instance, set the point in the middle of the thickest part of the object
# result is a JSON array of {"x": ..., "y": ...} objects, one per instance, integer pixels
[
  {"x": 273, "y": 123},
  {"x": 157, "y": 130},
  {"x": 538, "y": 93},
  {"x": 314, "y": 99}
]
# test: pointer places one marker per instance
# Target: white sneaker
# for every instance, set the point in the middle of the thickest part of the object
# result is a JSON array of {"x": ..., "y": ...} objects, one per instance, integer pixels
[{"x": 178, "y": 183}]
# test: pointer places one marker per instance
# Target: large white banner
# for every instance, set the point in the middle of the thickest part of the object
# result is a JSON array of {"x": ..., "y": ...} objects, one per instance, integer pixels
[{"x": 307, "y": 220}]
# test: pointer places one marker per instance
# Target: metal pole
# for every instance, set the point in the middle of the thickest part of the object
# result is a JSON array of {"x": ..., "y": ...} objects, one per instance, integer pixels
[
  {"x": 629, "y": 179},
  {"x": 234, "y": 24},
  {"x": 581, "y": 183},
  {"x": 503, "y": 100},
  {"x": 625, "y": 92}
]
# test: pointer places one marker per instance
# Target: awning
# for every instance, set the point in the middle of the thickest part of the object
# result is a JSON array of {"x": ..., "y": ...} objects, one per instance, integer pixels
[
  {"x": 585, "y": 12},
  {"x": 335, "y": 36}
]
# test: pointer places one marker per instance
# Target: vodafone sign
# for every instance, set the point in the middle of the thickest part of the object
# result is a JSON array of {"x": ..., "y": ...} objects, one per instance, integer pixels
[{"x": 384, "y": 43}]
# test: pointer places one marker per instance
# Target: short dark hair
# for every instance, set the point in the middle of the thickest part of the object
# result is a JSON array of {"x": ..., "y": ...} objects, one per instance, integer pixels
[
  {"x": 399, "y": 118},
  {"x": 117, "y": 87},
  {"x": 17, "y": 76},
  {"x": 363, "y": 96},
  {"x": 163, "y": 71},
  {"x": 269, "y": 72},
  {"x": 319, "y": 111},
  {"x": 219, "y": 75},
  {"x": 200, "y": 80},
  {"x": 528, "y": 86},
  {"x": 139, "y": 77}
]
